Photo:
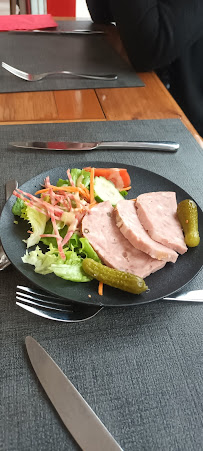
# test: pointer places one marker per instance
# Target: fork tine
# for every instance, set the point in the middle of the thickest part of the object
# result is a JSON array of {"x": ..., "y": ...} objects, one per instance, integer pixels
[
  {"x": 44, "y": 304},
  {"x": 41, "y": 299},
  {"x": 37, "y": 292}
]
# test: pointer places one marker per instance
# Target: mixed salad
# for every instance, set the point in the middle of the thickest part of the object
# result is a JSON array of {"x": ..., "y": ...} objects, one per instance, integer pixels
[{"x": 55, "y": 213}]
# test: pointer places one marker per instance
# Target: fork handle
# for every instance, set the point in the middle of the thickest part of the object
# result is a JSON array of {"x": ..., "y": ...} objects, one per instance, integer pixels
[{"x": 109, "y": 77}]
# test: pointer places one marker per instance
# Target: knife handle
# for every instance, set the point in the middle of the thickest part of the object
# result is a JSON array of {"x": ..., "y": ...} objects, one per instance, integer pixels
[{"x": 167, "y": 146}]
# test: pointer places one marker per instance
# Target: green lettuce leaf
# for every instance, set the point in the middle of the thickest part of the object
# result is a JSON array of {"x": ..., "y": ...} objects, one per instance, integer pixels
[
  {"x": 42, "y": 262},
  {"x": 124, "y": 193},
  {"x": 87, "y": 250},
  {"x": 48, "y": 230},
  {"x": 71, "y": 269},
  {"x": 51, "y": 262},
  {"x": 80, "y": 176},
  {"x": 18, "y": 206},
  {"x": 62, "y": 182},
  {"x": 85, "y": 178},
  {"x": 74, "y": 242},
  {"x": 38, "y": 223},
  {"x": 75, "y": 174}
]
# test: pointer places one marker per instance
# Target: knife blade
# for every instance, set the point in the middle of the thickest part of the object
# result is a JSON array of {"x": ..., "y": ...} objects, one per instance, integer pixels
[
  {"x": 84, "y": 425},
  {"x": 167, "y": 146}
]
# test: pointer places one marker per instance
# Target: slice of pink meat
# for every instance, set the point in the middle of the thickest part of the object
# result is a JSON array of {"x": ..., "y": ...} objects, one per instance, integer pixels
[
  {"x": 99, "y": 227},
  {"x": 131, "y": 227},
  {"x": 157, "y": 213}
]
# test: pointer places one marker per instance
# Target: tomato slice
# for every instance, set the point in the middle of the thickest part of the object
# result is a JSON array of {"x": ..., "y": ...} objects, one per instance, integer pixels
[{"x": 119, "y": 176}]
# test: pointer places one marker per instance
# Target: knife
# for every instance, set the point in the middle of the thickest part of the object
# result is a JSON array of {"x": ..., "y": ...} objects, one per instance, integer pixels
[
  {"x": 59, "y": 32},
  {"x": 84, "y": 425},
  {"x": 10, "y": 186},
  {"x": 190, "y": 296},
  {"x": 167, "y": 146}
]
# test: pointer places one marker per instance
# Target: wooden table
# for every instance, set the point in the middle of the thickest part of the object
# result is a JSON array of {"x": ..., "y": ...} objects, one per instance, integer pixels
[{"x": 152, "y": 101}]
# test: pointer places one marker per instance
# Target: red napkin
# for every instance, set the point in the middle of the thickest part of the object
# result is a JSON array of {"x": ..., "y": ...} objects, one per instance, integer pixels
[{"x": 26, "y": 22}]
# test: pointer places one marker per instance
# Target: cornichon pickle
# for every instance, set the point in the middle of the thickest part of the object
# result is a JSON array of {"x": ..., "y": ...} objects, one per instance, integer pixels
[
  {"x": 188, "y": 217},
  {"x": 113, "y": 277}
]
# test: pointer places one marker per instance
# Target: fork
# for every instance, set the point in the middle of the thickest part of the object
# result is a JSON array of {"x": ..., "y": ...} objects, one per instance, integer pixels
[
  {"x": 36, "y": 77},
  {"x": 53, "y": 307},
  {"x": 59, "y": 309}
]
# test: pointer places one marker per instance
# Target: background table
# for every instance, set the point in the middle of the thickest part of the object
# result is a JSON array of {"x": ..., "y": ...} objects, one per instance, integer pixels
[{"x": 152, "y": 101}]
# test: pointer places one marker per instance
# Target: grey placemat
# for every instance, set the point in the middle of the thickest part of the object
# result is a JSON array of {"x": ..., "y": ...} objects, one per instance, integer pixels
[
  {"x": 38, "y": 53},
  {"x": 140, "y": 368}
]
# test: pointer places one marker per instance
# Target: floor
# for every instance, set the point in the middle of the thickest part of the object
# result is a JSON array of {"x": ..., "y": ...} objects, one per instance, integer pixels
[{"x": 81, "y": 8}]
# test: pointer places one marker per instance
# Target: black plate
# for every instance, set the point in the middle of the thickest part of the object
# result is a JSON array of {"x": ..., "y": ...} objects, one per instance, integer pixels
[{"x": 163, "y": 283}]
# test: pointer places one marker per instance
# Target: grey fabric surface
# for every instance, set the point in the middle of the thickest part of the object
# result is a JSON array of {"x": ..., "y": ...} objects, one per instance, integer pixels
[
  {"x": 140, "y": 368},
  {"x": 38, "y": 53}
]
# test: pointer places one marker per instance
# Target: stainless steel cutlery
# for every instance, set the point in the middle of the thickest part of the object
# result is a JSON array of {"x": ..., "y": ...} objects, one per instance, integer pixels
[
  {"x": 58, "y": 309},
  {"x": 10, "y": 186},
  {"x": 53, "y": 307},
  {"x": 187, "y": 296},
  {"x": 60, "y": 32},
  {"x": 36, "y": 77},
  {"x": 166, "y": 146},
  {"x": 84, "y": 425}
]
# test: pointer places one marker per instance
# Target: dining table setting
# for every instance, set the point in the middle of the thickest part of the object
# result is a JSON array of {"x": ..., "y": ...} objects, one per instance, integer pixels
[{"x": 83, "y": 368}]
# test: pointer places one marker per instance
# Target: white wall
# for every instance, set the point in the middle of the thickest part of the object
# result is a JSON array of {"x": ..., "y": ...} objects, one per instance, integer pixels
[
  {"x": 81, "y": 9},
  {"x": 4, "y": 7}
]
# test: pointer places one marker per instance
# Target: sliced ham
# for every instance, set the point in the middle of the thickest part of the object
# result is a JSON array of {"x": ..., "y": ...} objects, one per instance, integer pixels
[
  {"x": 100, "y": 228},
  {"x": 157, "y": 213},
  {"x": 132, "y": 229}
]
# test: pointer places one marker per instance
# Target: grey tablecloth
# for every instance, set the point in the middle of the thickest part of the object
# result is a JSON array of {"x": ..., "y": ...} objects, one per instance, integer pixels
[
  {"x": 140, "y": 368},
  {"x": 37, "y": 53}
]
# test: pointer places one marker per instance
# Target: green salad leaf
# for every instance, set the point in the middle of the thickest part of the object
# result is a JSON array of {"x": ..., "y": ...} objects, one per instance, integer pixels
[
  {"x": 51, "y": 262},
  {"x": 124, "y": 193},
  {"x": 62, "y": 182},
  {"x": 48, "y": 230},
  {"x": 87, "y": 250},
  {"x": 78, "y": 176},
  {"x": 71, "y": 269},
  {"x": 38, "y": 223},
  {"x": 18, "y": 206},
  {"x": 41, "y": 261}
]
